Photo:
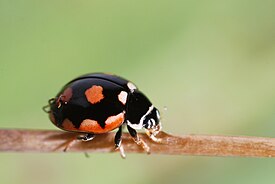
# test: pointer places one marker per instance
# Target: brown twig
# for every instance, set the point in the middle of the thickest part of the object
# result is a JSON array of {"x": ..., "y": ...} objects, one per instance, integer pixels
[{"x": 208, "y": 145}]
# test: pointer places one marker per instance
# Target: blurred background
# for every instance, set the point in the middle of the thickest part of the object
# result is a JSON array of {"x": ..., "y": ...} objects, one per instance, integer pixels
[{"x": 211, "y": 63}]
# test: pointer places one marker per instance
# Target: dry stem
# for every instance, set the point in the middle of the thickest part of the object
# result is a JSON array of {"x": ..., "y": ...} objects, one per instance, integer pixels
[{"x": 208, "y": 145}]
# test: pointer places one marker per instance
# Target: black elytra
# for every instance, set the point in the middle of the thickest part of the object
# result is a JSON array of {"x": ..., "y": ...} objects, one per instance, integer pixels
[{"x": 97, "y": 103}]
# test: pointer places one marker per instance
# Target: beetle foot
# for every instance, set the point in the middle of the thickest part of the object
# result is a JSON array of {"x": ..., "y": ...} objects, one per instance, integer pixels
[
  {"x": 65, "y": 146},
  {"x": 121, "y": 150},
  {"x": 143, "y": 144},
  {"x": 86, "y": 137},
  {"x": 152, "y": 136},
  {"x": 70, "y": 142}
]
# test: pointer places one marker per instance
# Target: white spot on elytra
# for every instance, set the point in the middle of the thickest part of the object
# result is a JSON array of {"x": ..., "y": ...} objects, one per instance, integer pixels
[
  {"x": 122, "y": 97},
  {"x": 158, "y": 115},
  {"x": 131, "y": 86}
]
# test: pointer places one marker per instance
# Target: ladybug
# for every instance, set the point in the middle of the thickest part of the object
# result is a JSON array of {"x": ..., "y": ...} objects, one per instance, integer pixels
[{"x": 98, "y": 103}]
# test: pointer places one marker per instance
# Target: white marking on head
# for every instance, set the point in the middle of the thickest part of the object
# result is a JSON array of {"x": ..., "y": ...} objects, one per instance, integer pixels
[
  {"x": 153, "y": 122},
  {"x": 140, "y": 124},
  {"x": 131, "y": 86},
  {"x": 158, "y": 115},
  {"x": 122, "y": 97},
  {"x": 149, "y": 123}
]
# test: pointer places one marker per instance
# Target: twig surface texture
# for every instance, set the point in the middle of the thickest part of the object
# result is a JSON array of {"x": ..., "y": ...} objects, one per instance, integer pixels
[{"x": 13, "y": 140}]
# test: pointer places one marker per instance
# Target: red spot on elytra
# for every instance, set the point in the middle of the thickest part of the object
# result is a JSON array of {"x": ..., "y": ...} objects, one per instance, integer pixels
[
  {"x": 68, "y": 125},
  {"x": 89, "y": 125},
  {"x": 67, "y": 94},
  {"x": 113, "y": 122},
  {"x": 94, "y": 94}
]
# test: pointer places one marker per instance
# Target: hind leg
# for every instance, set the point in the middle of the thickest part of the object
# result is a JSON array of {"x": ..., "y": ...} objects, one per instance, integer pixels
[{"x": 84, "y": 138}]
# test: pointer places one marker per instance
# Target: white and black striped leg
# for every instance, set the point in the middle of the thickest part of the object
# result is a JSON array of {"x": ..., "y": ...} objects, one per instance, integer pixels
[
  {"x": 86, "y": 137},
  {"x": 118, "y": 142},
  {"x": 139, "y": 141}
]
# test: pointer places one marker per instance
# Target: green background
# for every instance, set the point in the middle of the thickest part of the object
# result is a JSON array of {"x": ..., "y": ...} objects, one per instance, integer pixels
[{"x": 211, "y": 63}]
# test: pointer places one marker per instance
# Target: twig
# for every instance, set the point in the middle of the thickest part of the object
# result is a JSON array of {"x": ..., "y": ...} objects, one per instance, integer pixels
[{"x": 208, "y": 145}]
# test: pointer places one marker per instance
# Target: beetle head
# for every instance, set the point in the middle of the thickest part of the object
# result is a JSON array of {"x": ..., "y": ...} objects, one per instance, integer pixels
[{"x": 151, "y": 121}]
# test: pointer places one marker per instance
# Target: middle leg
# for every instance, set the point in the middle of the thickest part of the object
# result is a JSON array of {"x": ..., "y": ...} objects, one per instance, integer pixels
[{"x": 118, "y": 142}]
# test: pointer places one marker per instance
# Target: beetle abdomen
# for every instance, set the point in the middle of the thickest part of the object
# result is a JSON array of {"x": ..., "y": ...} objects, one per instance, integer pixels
[{"x": 89, "y": 105}]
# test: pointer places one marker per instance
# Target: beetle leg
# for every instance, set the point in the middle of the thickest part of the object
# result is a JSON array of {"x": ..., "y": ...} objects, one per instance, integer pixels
[
  {"x": 118, "y": 142},
  {"x": 139, "y": 141},
  {"x": 151, "y": 135},
  {"x": 86, "y": 137},
  {"x": 152, "y": 132},
  {"x": 65, "y": 145}
]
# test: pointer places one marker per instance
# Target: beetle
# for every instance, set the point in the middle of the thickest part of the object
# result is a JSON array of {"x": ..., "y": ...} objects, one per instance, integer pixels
[{"x": 98, "y": 103}]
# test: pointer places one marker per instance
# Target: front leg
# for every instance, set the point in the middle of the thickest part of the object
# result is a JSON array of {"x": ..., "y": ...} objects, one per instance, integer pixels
[
  {"x": 136, "y": 138},
  {"x": 151, "y": 134},
  {"x": 118, "y": 142}
]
